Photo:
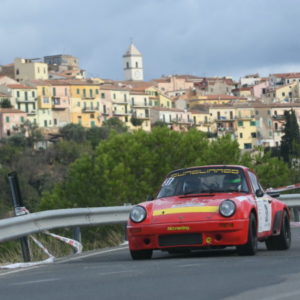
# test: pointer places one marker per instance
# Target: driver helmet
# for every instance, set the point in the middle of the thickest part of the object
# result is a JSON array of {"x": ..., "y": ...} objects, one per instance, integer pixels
[{"x": 232, "y": 181}]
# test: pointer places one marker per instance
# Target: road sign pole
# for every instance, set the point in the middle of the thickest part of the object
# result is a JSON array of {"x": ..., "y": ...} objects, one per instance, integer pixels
[{"x": 19, "y": 210}]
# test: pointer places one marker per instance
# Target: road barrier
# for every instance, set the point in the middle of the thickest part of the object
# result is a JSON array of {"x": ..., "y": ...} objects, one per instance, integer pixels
[
  {"x": 23, "y": 225},
  {"x": 16, "y": 227}
]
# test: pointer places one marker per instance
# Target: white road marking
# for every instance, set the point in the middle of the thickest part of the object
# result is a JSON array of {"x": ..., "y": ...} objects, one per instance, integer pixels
[
  {"x": 36, "y": 281},
  {"x": 63, "y": 260}
]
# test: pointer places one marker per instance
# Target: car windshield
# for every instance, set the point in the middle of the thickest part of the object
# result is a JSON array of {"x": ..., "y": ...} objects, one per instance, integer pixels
[{"x": 204, "y": 180}]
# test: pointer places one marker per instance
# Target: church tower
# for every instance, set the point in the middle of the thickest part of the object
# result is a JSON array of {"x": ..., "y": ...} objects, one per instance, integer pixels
[{"x": 133, "y": 64}]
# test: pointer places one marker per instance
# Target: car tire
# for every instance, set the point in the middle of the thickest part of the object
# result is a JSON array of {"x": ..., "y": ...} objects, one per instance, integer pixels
[
  {"x": 283, "y": 240},
  {"x": 250, "y": 247},
  {"x": 141, "y": 254}
]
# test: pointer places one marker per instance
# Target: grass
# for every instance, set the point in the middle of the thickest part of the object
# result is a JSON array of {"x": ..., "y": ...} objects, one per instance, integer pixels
[{"x": 92, "y": 238}]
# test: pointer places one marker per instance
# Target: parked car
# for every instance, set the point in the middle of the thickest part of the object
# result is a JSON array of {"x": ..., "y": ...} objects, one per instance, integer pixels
[{"x": 209, "y": 207}]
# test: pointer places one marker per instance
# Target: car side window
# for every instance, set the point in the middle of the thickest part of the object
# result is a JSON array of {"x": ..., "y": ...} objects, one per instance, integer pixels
[{"x": 254, "y": 182}]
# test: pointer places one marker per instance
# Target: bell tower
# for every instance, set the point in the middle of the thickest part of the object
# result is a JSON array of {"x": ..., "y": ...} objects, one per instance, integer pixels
[{"x": 133, "y": 64}]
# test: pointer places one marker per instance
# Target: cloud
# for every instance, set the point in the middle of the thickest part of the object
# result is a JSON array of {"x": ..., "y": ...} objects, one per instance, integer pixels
[{"x": 212, "y": 37}]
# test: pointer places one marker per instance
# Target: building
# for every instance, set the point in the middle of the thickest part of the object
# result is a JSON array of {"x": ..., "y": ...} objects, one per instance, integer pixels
[
  {"x": 133, "y": 64},
  {"x": 30, "y": 69},
  {"x": 11, "y": 121}
]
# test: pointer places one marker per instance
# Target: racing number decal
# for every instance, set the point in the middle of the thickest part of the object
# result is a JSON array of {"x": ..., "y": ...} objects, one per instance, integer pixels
[{"x": 264, "y": 209}]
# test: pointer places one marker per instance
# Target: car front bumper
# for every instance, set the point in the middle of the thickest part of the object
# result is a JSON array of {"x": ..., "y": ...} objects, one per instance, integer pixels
[{"x": 188, "y": 235}]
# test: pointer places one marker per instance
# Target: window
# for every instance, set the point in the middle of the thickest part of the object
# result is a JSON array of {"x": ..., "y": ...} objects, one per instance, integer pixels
[
  {"x": 283, "y": 94},
  {"x": 97, "y": 92},
  {"x": 132, "y": 101},
  {"x": 93, "y": 123},
  {"x": 253, "y": 134},
  {"x": 44, "y": 91},
  {"x": 55, "y": 121},
  {"x": 45, "y": 123},
  {"x": 102, "y": 95},
  {"x": 240, "y": 123},
  {"x": 92, "y": 116},
  {"x": 241, "y": 135},
  {"x": 127, "y": 65},
  {"x": 170, "y": 118},
  {"x": 145, "y": 101},
  {"x": 104, "y": 109},
  {"x": 22, "y": 119},
  {"x": 33, "y": 94},
  {"x": 114, "y": 96},
  {"x": 18, "y": 94},
  {"x": 253, "y": 123},
  {"x": 247, "y": 146},
  {"x": 136, "y": 64},
  {"x": 91, "y": 93},
  {"x": 84, "y": 92},
  {"x": 126, "y": 119},
  {"x": 7, "y": 119},
  {"x": 254, "y": 182},
  {"x": 26, "y": 95},
  {"x": 78, "y": 91},
  {"x": 17, "y": 72}
]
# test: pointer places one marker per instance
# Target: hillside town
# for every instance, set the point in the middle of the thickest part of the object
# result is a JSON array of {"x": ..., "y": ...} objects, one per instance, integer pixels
[{"x": 54, "y": 91}]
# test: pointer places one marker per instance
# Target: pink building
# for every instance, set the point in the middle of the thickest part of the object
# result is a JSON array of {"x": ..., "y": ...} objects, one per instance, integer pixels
[
  {"x": 260, "y": 89},
  {"x": 10, "y": 121}
]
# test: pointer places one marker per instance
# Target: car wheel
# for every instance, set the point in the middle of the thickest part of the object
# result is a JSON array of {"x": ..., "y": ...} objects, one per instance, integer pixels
[
  {"x": 141, "y": 254},
  {"x": 250, "y": 247},
  {"x": 283, "y": 240}
]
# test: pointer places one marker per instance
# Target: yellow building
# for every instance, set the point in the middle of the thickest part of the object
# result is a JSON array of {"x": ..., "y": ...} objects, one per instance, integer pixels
[
  {"x": 286, "y": 93},
  {"x": 85, "y": 103},
  {"x": 246, "y": 128},
  {"x": 28, "y": 69}
]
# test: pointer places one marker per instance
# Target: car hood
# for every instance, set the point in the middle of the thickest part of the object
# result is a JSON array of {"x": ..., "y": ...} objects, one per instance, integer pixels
[{"x": 190, "y": 208}]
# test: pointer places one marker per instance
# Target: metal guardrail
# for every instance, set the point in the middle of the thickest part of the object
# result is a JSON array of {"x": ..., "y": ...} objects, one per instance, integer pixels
[
  {"x": 291, "y": 200},
  {"x": 15, "y": 227}
]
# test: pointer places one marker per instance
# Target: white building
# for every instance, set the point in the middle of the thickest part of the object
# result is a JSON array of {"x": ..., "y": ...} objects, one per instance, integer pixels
[{"x": 133, "y": 64}]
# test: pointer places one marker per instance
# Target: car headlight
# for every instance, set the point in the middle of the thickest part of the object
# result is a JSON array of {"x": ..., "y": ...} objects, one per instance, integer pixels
[
  {"x": 138, "y": 214},
  {"x": 227, "y": 208}
]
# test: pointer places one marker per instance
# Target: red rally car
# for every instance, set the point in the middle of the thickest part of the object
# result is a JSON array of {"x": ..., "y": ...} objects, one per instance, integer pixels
[{"x": 209, "y": 207}]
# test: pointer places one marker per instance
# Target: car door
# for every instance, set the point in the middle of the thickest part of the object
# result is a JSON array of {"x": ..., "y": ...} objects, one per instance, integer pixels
[{"x": 264, "y": 205}]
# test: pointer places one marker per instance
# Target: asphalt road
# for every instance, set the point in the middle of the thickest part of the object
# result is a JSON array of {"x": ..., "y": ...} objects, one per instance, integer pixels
[{"x": 111, "y": 274}]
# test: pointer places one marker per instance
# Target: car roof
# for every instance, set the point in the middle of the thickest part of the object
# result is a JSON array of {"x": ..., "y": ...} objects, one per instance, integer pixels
[{"x": 210, "y": 166}]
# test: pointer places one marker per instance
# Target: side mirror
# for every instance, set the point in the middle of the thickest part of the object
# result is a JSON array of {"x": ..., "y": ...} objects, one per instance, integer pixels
[
  {"x": 259, "y": 193},
  {"x": 149, "y": 198}
]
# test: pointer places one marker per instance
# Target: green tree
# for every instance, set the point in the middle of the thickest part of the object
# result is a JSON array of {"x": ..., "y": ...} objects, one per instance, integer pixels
[
  {"x": 73, "y": 132},
  {"x": 5, "y": 103},
  {"x": 115, "y": 124},
  {"x": 290, "y": 142}
]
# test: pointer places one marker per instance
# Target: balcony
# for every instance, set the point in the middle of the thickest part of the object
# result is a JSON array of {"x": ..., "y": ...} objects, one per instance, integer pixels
[
  {"x": 31, "y": 113},
  {"x": 278, "y": 117},
  {"x": 120, "y": 102},
  {"x": 31, "y": 100},
  {"x": 120, "y": 113},
  {"x": 88, "y": 110}
]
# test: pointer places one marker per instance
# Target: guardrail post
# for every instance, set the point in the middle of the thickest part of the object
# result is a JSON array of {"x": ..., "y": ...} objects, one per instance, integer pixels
[
  {"x": 18, "y": 205},
  {"x": 125, "y": 226},
  {"x": 296, "y": 214},
  {"x": 77, "y": 235}
]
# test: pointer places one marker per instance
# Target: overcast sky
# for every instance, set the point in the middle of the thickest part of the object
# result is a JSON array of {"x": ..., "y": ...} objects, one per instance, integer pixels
[{"x": 197, "y": 37}]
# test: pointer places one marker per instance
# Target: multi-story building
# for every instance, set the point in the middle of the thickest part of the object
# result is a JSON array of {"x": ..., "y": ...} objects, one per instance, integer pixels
[
  {"x": 11, "y": 121},
  {"x": 176, "y": 119},
  {"x": 85, "y": 103},
  {"x": 23, "y": 98},
  {"x": 30, "y": 69}
]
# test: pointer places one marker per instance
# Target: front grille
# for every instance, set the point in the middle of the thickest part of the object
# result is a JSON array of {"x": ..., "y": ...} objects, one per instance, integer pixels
[{"x": 180, "y": 239}]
